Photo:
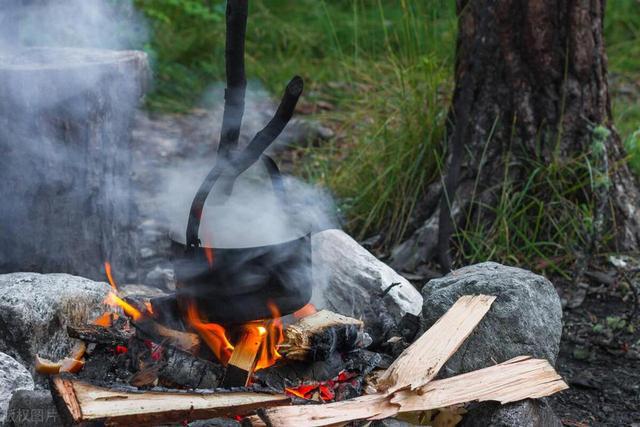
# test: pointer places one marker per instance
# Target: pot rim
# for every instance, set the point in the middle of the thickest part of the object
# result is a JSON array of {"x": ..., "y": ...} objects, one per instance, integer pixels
[{"x": 174, "y": 239}]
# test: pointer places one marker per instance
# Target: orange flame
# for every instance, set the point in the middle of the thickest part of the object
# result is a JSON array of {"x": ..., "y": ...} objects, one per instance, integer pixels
[
  {"x": 114, "y": 300},
  {"x": 107, "y": 269},
  {"x": 208, "y": 252},
  {"x": 268, "y": 353},
  {"x": 212, "y": 334},
  {"x": 305, "y": 311},
  {"x": 215, "y": 336},
  {"x": 208, "y": 245},
  {"x": 105, "y": 320}
]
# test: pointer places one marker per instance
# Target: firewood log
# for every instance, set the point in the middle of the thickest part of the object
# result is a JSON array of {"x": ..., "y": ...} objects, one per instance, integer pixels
[
  {"x": 317, "y": 336},
  {"x": 81, "y": 402}
]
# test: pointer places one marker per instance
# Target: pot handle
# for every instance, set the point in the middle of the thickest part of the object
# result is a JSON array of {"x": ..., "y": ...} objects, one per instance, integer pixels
[
  {"x": 195, "y": 215},
  {"x": 240, "y": 162}
]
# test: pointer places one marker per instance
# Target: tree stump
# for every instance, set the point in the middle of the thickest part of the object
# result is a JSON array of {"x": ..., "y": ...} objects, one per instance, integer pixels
[{"x": 65, "y": 158}]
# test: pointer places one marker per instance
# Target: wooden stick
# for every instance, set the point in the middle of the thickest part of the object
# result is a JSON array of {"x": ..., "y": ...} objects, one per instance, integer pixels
[
  {"x": 243, "y": 359},
  {"x": 422, "y": 360},
  {"x": 516, "y": 379},
  {"x": 85, "y": 402}
]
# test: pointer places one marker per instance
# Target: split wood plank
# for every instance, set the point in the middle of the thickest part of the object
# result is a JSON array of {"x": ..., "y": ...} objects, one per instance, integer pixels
[
  {"x": 86, "y": 403},
  {"x": 516, "y": 379},
  {"x": 420, "y": 362}
]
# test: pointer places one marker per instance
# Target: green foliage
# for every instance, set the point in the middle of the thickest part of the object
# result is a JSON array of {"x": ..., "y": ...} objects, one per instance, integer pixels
[
  {"x": 185, "y": 48},
  {"x": 622, "y": 31},
  {"x": 632, "y": 144}
]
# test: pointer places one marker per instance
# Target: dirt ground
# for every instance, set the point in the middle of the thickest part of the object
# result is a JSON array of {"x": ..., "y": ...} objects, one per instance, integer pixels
[{"x": 600, "y": 352}]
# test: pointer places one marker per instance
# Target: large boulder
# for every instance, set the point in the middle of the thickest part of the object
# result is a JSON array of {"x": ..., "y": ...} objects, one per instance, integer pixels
[
  {"x": 13, "y": 376},
  {"x": 525, "y": 319},
  {"x": 35, "y": 310},
  {"x": 33, "y": 408},
  {"x": 349, "y": 280}
]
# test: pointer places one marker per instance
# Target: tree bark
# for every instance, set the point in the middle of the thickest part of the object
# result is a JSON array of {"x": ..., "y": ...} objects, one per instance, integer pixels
[
  {"x": 65, "y": 161},
  {"x": 530, "y": 83}
]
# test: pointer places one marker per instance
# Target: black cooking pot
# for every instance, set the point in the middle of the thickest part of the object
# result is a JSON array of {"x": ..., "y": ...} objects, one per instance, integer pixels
[
  {"x": 229, "y": 285},
  {"x": 240, "y": 284}
]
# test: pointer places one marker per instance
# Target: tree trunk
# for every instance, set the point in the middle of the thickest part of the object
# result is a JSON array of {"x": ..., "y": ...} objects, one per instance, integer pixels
[
  {"x": 65, "y": 159},
  {"x": 530, "y": 85}
]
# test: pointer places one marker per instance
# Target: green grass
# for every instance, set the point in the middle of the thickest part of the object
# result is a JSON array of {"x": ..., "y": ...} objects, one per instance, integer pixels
[
  {"x": 622, "y": 30},
  {"x": 543, "y": 223},
  {"x": 386, "y": 67}
]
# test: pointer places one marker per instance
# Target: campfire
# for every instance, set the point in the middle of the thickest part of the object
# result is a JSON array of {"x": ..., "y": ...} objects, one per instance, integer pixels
[
  {"x": 130, "y": 370},
  {"x": 239, "y": 338}
]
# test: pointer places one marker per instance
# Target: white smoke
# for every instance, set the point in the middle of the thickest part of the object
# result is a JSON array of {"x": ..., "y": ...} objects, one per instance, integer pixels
[{"x": 106, "y": 24}]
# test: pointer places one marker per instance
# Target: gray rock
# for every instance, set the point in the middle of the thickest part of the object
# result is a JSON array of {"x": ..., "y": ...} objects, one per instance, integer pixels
[
  {"x": 32, "y": 408},
  {"x": 525, "y": 319},
  {"x": 527, "y": 413},
  {"x": 13, "y": 376},
  {"x": 36, "y": 308},
  {"x": 349, "y": 280}
]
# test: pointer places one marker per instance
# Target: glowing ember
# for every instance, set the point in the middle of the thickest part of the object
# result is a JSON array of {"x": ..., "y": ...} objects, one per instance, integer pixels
[{"x": 324, "y": 390}]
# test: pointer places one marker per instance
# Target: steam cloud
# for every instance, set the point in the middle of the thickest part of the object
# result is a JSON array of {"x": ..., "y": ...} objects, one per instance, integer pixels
[{"x": 102, "y": 24}]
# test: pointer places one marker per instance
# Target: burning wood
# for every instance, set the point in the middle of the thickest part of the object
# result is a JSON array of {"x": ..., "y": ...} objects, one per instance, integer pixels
[
  {"x": 244, "y": 357},
  {"x": 73, "y": 363},
  {"x": 314, "y": 337}
]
